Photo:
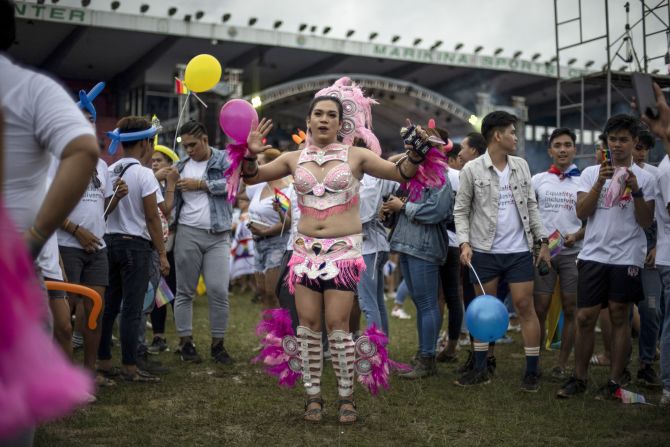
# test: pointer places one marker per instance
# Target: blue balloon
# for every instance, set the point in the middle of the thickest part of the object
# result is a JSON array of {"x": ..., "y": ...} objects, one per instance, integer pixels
[{"x": 487, "y": 318}]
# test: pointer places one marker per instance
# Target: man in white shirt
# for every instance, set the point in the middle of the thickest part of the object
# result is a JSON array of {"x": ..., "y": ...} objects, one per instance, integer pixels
[
  {"x": 613, "y": 251},
  {"x": 497, "y": 224},
  {"x": 40, "y": 121},
  {"x": 651, "y": 281},
  {"x": 556, "y": 192},
  {"x": 133, "y": 230},
  {"x": 202, "y": 243}
]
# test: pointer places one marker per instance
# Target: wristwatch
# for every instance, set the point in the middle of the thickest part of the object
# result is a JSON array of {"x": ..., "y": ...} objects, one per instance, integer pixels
[
  {"x": 543, "y": 240},
  {"x": 638, "y": 194}
]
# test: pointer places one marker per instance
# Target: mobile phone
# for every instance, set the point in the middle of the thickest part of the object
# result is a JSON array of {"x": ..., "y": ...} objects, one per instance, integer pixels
[{"x": 644, "y": 95}]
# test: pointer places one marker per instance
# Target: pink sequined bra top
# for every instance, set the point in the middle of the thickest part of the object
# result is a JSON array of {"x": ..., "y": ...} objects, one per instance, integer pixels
[{"x": 337, "y": 192}]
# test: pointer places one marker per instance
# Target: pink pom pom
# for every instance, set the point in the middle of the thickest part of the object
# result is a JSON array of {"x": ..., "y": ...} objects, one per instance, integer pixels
[
  {"x": 371, "y": 347},
  {"x": 235, "y": 154},
  {"x": 273, "y": 328},
  {"x": 431, "y": 174}
]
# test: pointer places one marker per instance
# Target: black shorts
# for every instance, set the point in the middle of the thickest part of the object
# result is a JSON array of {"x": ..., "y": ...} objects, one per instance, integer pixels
[
  {"x": 600, "y": 283},
  {"x": 512, "y": 267},
  {"x": 321, "y": 285},
  {"x": 89, "y": 269}
]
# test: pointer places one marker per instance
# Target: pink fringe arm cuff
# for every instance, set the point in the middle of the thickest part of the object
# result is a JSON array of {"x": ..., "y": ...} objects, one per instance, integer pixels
[{"x": 430, "y": 174}]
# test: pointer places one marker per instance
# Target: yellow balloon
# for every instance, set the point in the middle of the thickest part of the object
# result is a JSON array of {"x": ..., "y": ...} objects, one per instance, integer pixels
[{"x": 202, "y": 73}]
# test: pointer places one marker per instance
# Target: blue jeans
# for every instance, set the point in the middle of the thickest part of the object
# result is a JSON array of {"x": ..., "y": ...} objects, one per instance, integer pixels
[
  {"x": 129, "y": 260},
  {"x": 649, "y": 320},
  {"x": 664, "y": 272},
  {"x": 402, "y": 293},
  {"x": 371, "y": 291},
  {"x": 423, "y": 281}
]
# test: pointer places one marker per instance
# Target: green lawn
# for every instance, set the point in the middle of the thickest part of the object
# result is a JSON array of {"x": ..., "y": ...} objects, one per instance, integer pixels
[{"x": 207, "y": 405}]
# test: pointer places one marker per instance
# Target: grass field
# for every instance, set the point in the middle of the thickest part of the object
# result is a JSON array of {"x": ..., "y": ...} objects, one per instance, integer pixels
[{"x": 208, "y": 405}]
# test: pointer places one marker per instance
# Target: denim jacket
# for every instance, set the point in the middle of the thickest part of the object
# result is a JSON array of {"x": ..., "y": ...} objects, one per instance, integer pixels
[
  {"x": 220, "y": 209},
  {"x": 421, "y": 230},
  {"x": 476, "y": 210}
]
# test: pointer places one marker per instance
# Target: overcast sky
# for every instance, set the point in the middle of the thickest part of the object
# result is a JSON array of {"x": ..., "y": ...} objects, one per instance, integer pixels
[{"x": 526, "y": 25}]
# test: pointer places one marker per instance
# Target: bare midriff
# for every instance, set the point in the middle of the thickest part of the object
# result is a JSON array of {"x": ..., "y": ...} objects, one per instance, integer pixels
[{"x": 342, "y": 224}]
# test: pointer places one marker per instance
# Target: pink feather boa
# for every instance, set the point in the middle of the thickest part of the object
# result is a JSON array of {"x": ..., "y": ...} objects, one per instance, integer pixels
[
  {"x": 235, "y": 153},
  {"x": 431, "y": 174},
  {"x": 373, "y": 365},
  {"x": 274, "y": 326},
  {"x": 32, "y": 368}
]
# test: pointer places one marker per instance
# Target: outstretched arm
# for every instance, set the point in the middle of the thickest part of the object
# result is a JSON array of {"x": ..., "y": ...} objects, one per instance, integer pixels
[
  {"x": 401, "y": 171},
  {"x": 252, "y": 173}
]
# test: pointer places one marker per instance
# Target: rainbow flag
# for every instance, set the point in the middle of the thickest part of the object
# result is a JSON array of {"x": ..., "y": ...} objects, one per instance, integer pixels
[
  {"x": 179, "y": 87},
  {"x": 556, "y": 241},
  {"x": 629, "y": 397},
  {"x": 163, "y": 294},
  {"x": 283, "y": 200}
]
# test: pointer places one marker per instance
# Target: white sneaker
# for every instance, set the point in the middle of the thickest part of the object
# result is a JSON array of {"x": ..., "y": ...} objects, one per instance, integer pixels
[
  {"x": 665, "y": 400},
  {"x": 400, "y": 314},
  {"x": 390, "y": 296},
  {"x": 513, "y": 327}
]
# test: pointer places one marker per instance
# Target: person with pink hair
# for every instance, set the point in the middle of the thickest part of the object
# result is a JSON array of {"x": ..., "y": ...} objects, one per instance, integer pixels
[{"x": 327, "y": 263}]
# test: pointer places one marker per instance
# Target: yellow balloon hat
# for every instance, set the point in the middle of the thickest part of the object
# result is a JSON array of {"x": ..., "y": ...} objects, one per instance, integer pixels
[{"x": 167, "y": 151}]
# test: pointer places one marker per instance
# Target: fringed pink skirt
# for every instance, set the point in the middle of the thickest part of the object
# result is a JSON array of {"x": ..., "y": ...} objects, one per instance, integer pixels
[{"x": 318, "y": 263}]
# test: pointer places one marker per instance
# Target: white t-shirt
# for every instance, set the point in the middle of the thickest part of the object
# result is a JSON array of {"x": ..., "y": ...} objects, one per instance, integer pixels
[
  {"x": 295, "y": 215},
  {"x": 261, "y": 210},
  {"x": 613, "y": 236},
  {"x": 651, "y": 169},
  {"x": 510, "y": 236},
  {"x": 195, "y": 209},
  {"x": 90, "y": 211},
  {"x": 41, "y": 119},
  {"x": 557, "y": 202},
  {"x": 128, "y": 216},
  {"x": 661, "y": 213},
  {"x": 453, "y": 174}
]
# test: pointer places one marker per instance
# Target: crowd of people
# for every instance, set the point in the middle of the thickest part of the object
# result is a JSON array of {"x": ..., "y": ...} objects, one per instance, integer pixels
[{"x": 317, "y": 228}]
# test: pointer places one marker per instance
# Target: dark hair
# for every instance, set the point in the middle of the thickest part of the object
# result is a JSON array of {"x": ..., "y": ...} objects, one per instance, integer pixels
[
  {"x": 194, "y": 128},
  {"x": 476, "y": 140},
  {"x": 453, "y": 153},
  {"x": 621, "y": 122},
  {"x": 318, "y": 99},
  {"x": 444, "y": 134},
  {"x": 129, "y": 124},
  {"x": 646, "y": 139},
  {"x": 165, "y": 157},
  {"x": 603, "y": 139},
  {"x": 7, "y": 24},
  {"x": 562, "y": 131},
  {"x": 494, "y": 121}
]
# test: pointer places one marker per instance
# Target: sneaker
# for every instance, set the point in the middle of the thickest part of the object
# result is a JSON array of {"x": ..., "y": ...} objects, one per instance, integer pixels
[
  {"x": 400, "y": 314},
  {"x": 506, "y": 340},
  {"x": 665, "y": 399},
  {"x": 608, "y": 391},
  {"x": 464, "y": 342},
  {"x": 473, "y": 377},
  {"x": 648, "y": 377},
  {"x": 220, "y": 355},
  {"x": 513, "y": 327},
  {"x": 443, "y": 357},
  {"x": 424, "y": 367},
  {"x": 468, "y": 365},
  {"x": 150, "y": 366},
  {"x": 158, "y": 345},
  {"x": 559, "y": 374},
  {"x": 626, "y": 378},
  {"x": 491, "y": 365},
  {"x": 571, "y": 388},
  {"x": 188, "y": 353},
  {"x": 326, "y": 355},
  {"x": 530, "y": 382}
]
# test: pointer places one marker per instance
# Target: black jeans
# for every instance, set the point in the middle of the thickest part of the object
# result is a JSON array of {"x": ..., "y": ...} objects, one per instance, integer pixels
[
  {"x": 450, "y": 276},
  {"x": 129, "y": 259}
]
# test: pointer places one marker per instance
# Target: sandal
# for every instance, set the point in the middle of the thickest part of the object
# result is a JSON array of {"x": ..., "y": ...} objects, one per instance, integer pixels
[
  {"x": 313, "y": 414},
  {"x": 345, "y": 413},
  {"x": 140, "y": 376}
]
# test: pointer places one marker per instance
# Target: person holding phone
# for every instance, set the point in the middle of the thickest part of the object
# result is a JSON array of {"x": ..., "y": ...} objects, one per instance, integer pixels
[{"x": 612, "y": 255}]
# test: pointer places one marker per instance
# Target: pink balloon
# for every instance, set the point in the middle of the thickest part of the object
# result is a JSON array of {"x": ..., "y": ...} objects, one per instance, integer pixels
[{"x": 237, "y": 118}]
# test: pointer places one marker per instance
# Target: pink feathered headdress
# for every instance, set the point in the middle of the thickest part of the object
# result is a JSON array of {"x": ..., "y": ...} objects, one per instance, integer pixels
[{"x": 357, "y": 107}]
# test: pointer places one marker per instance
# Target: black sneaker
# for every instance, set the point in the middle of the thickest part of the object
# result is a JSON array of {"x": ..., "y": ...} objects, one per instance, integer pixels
[
  {"x": 608, "y": 391},
  {"x": 151, "y": 366},
  {"x": 189, "y": 354},
  {"x": 220, "y": 355},
  {"x": 473, "y": 377},
  {"x": 158, "y": 345},
  {"x": 468, "y": 365},
  {"x": 571, "y": 388},
  {"x": 648, "y": 377},
  {"x": 491, "y": 365},
  {"x": 530, "y": 382},
  {"x": 626, "y": 378}
]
